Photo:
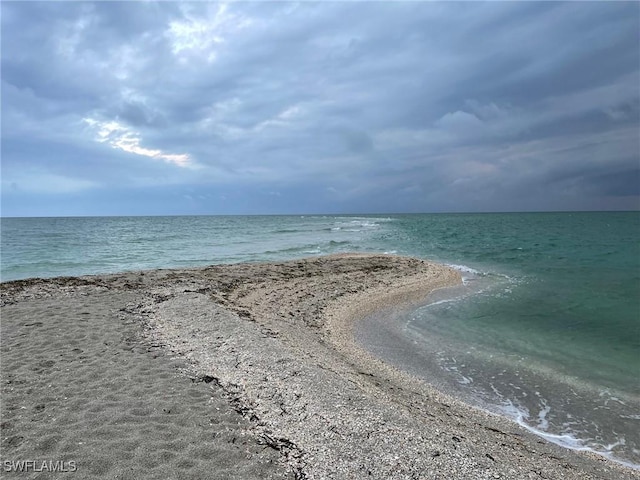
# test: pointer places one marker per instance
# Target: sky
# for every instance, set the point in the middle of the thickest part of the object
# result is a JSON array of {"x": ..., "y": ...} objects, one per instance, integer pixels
[{"x": 166, "y": 108}]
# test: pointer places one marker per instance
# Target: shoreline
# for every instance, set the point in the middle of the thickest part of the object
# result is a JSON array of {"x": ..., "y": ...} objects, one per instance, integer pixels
[
  {"x": 381, "y": 335},
  {"x": 276, "y": 340}
]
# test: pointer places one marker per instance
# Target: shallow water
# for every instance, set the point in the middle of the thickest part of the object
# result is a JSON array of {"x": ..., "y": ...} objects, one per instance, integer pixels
[{"x": 565, "y": 395}]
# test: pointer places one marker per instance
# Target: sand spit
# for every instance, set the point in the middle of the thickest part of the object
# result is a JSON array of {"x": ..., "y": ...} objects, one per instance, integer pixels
[{"x": 244, "y": 371}]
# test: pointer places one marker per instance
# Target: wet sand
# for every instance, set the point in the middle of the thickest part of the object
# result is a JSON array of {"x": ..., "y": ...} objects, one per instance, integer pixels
[{"x": 243, "y": 371}]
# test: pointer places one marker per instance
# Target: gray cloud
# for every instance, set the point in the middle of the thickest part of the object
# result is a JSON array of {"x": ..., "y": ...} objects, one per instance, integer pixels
[{"x": 344, "y": 106}]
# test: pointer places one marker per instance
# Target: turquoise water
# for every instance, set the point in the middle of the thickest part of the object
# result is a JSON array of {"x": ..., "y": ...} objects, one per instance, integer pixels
[{"x": 545, "y": 329}]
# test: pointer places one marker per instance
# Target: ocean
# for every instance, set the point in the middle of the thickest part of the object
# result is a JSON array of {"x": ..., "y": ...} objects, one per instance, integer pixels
[{"x": 545, "y": 328}]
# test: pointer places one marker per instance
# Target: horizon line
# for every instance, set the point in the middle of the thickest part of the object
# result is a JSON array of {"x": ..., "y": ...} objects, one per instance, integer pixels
[{"x": 303, "y": 214}]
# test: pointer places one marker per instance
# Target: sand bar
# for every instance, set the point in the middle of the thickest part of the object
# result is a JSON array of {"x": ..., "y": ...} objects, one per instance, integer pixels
[{"x": 244, "y": 371}]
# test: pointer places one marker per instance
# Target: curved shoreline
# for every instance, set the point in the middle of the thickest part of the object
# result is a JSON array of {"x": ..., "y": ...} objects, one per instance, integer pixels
[
  {"x": 276, "y": 340},
  {"x": 377, "y": 337},
  {"x": 406, "y": 295}
]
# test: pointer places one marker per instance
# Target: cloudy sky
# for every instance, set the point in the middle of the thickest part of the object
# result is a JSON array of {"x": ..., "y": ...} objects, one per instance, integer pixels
[{"x": 136, "y": 108}]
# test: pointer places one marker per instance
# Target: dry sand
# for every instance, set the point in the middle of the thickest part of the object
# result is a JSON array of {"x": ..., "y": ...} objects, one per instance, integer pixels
[{"x": 243, "y": 371}]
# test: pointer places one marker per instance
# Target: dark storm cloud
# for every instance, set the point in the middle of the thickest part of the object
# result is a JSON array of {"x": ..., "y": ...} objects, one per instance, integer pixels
[{"x": 319, "y": 106}]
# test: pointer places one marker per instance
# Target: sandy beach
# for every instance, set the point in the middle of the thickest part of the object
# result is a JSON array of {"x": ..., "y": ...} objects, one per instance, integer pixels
[{"x": 242, "y": 371}]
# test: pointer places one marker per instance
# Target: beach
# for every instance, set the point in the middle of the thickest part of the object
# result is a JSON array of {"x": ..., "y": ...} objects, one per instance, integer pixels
[{"x": 245, "y": 370}]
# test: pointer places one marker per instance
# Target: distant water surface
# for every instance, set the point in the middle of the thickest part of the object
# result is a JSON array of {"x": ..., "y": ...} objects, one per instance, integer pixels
[
  {"x": 46, "y": 247},
  {"x": 545, "y": 329}
]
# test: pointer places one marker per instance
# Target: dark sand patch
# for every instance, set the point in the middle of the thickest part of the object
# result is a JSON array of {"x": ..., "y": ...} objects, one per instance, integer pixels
[{"x": 80, "y": 384}]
